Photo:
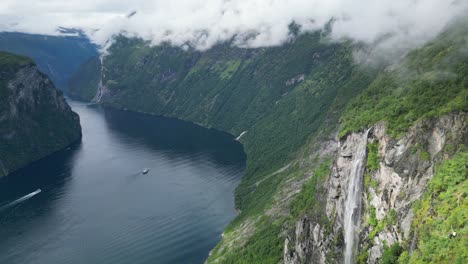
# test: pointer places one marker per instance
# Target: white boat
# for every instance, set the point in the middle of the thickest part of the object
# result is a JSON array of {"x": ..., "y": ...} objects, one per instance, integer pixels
[{"x": 145, "y": 171}]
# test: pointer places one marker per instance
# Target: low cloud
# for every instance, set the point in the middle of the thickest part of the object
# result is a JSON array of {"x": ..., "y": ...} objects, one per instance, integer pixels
[{"x": 248, "y": 23}]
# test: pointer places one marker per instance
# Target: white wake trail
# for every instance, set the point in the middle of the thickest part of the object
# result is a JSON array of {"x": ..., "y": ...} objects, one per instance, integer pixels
[{"x": 22, "y": 199}]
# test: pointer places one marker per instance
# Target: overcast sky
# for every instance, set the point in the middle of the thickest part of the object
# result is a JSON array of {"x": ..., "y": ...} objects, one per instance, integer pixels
[{"x": 205, "y": 22}]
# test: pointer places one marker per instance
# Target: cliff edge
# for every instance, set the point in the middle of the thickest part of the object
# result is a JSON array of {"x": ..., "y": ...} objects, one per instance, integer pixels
[{"x": 35, "y": 119}]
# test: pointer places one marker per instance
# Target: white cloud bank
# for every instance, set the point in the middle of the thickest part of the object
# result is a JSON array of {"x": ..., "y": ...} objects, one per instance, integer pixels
[{"x": 203, "y": 23}]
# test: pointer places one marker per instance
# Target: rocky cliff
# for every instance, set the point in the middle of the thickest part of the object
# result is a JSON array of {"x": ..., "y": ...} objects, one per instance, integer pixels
[
  {"x": 35, "y": 119},
  {"x": 397, "y": 174}
]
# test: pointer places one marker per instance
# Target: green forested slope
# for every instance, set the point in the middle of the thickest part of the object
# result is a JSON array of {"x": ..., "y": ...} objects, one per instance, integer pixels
[
  {"x": 83, "y": 83},
  {"x": 431, "y": 81},
  {"x": 280, "y": 95},
  {"x": 225, "y": 87},
  {"x": 287, "y": 98},
  {"x": 442, "y": 210}
]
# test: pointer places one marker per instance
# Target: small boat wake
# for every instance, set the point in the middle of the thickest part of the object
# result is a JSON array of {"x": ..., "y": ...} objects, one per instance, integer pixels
[{"x": 22, "y": 199}]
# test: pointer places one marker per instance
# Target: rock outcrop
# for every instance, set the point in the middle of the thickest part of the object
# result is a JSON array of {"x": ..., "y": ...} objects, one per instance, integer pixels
[
  {"x": 35, "y": 119},
  {"x": 405, "y": 166}
]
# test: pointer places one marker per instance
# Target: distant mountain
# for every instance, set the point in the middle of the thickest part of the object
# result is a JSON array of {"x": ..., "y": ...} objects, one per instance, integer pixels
[
  {"x": 83, "y": 83},
  {"x": 57, "y": 56},
  {"x": 35, "y": 119}
]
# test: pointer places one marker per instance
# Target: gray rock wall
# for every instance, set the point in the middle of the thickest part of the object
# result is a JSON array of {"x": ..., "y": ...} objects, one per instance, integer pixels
[
  {"x": 406, "y": 165},
  {"x": 35, "y": 119}
]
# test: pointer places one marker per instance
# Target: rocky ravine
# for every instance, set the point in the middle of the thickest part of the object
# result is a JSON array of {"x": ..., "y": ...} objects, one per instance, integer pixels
[
  {"x": 404, "y": 168},
  {"x": 35, "y": 119}
]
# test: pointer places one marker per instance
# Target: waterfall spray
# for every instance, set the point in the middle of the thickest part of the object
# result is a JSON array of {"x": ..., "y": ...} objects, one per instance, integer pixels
[{"x": 352, "y": 212}]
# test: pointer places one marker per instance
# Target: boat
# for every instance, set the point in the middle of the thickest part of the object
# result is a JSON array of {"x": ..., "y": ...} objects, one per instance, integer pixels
[{"x": 145, "y": 171}]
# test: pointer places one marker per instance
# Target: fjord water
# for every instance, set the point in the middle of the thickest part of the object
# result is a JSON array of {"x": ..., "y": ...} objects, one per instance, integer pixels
[{"x": 95, "y": 205}]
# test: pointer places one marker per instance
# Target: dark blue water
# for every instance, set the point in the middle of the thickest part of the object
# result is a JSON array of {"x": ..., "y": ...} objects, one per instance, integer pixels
[{"x": 97, "y": 207}]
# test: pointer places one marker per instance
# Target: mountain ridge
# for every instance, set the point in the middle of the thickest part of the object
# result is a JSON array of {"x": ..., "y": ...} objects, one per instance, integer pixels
[{"x": 56, "y": 56}]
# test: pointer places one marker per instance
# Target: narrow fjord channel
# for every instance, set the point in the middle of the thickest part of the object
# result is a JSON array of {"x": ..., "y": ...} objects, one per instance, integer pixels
[{"x": 95, "y": 205}]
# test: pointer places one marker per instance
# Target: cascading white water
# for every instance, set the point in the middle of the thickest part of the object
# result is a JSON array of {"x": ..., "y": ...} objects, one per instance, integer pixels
[
  {"x": 98, "y": 96},
  {"x": 352, "y": 212}
]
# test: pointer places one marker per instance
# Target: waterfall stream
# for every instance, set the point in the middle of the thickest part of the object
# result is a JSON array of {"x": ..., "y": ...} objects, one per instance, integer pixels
[
  {"x": 98, "y": 96},
  {"x": 352, "y": 212}
]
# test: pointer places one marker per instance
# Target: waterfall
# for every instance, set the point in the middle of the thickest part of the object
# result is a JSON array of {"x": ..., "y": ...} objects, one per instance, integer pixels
[
  {"x": 352, "y": 212},
  {"x": 99, "y": 93}
]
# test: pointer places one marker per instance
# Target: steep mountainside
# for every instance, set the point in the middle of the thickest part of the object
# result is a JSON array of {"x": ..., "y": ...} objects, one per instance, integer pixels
[
  {"x": 345, "y": 161},
  {"x": 83, "y": 84},
  {"x": 57, "y": 57},
  {"x": 236, "y": 89},
  {"x": 35, "y": 119}
]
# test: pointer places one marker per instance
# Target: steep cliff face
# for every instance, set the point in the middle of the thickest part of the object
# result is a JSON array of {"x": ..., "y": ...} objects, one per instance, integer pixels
[
  {"x": 396, "y": 175},
  {"x": 35, "y": 119}
]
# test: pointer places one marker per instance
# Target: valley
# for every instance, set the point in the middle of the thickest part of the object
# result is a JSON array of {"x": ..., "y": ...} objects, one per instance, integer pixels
[{"x": 313, "y": 149}]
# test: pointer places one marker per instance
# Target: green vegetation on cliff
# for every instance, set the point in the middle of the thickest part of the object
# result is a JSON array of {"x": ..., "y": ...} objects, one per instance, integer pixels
[
  {"x": 264, "y": 246},
  {"x": 442, "y": 210},
  {"x": 9, "y": 65},
  {"x": 431, "y": 81},
  {"x": 12, "y": 61},
  {"x": 307, "y": 197}
]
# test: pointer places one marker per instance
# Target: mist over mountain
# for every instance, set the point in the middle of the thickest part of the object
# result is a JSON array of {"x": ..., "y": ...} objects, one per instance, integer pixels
[{"x": 203, "y": 23}]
